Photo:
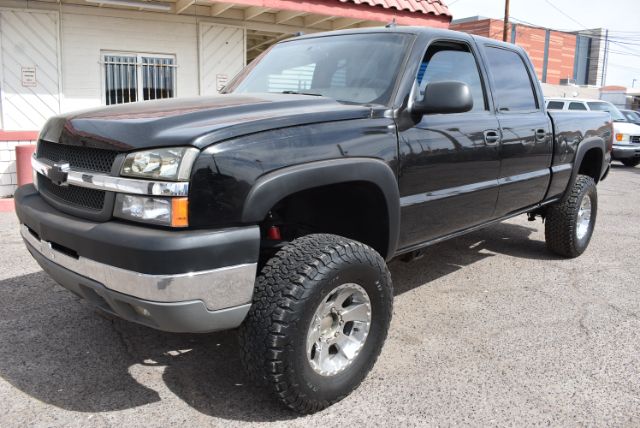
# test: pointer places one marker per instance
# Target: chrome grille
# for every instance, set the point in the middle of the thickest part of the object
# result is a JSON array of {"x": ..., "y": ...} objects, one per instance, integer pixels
[
  {"x": 84, "y": 158},
  {"x": 635, "y": 139}
]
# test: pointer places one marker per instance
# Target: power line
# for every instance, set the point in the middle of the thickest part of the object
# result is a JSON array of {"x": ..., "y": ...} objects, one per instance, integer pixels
[
  {"x": 617, "y": 40},
  {"x": 565, "y": 14}
]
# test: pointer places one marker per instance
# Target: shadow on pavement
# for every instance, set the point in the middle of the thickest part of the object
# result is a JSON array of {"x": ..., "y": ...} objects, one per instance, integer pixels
[
  {"x": 59, "y": 351},
  {"x": 442, "y": 259}
]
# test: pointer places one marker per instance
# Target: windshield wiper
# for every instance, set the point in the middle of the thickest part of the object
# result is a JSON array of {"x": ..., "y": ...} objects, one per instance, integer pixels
[{"x": 301, "y": 93}]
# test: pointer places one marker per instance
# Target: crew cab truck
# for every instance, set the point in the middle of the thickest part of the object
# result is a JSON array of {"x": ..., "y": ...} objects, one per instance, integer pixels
[{"x": 275, "y": 206}]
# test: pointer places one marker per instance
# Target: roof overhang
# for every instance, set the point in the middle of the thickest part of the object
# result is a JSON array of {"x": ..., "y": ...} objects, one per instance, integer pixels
[{"x": 347, "y": 10}]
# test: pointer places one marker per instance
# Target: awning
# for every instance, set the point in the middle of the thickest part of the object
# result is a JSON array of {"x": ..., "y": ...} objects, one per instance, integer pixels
[{"x": 428, "y": 13}]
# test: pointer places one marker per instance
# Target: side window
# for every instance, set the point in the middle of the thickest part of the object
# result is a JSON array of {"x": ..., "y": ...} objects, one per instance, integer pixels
[
  {"x": 513, "y": 86},
  {"x": 448, "y": 61},
  {"x": 555, "y": 105},
  {"x": 577, "y": 106}
]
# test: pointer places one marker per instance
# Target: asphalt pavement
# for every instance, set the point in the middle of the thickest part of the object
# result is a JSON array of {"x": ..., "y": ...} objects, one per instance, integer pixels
[{"x": 489, "y": 329}]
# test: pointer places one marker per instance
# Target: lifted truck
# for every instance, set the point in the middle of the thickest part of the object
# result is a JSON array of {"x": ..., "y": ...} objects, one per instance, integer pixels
[{"x": 275, "y": 206}]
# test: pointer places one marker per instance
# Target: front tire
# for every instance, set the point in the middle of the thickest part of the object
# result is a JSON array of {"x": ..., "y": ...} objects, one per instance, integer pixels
[
  {"x": 630, "y": 162},
  {"x": 569, "y": 224},
  {"x": 320, "y": 315}
]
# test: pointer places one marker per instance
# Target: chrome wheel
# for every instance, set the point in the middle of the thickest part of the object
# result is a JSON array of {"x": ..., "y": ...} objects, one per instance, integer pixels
[
  {"x": 339, "y": 329},
  {"x": 584, "y": 218}
]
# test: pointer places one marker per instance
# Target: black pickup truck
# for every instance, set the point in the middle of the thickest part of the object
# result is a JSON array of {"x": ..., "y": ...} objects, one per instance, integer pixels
[{"x": 275, "y": 206}]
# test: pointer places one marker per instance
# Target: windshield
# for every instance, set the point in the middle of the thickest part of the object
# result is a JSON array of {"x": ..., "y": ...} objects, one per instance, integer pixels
[
  {"x": 616, "y": 115},
  {"x": 355, "y": 68},
  {"x": 632, "y": 115}
]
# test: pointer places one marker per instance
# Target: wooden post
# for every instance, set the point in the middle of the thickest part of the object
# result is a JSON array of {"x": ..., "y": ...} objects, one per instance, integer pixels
[{"x": 505, "y": 33}]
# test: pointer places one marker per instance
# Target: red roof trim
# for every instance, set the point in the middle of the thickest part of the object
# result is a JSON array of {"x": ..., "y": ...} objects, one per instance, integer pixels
[
  {"x": 435, "y": 7},
  {"x": 18, "y": 135},
  {"x": 364, "y": 12}
]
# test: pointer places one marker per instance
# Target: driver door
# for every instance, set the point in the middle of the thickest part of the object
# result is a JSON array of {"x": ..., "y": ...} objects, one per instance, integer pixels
[{"x": 449, "y": 163}]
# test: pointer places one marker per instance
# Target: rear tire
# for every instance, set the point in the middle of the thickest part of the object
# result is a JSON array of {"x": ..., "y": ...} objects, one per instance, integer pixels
[
  {"x": 298, "y": 338},
  {"x": 630, "y": 162},
  {"x": 569, "y": 224}
]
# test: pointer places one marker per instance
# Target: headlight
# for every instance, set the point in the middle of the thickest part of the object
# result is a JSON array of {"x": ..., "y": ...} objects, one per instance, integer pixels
[
  {"x": 173, "y": 212},
  {"x": 165, "y": 164},
  {"x": 622, "y": 138}
]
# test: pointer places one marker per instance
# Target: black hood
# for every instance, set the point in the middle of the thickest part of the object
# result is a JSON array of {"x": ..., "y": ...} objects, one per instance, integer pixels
[{"x": 198, "y": 122}]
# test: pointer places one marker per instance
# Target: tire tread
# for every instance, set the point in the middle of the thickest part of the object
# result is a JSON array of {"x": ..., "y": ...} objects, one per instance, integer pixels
[
  {"x": 285, "y": 283},
  {"x": 560, "y": 221}
]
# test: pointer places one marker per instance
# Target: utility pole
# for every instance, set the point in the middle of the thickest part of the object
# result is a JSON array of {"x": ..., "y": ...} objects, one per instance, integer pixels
[{"x": 505, "y": 33}]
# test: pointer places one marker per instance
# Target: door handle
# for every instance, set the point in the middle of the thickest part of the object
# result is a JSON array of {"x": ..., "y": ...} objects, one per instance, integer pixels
[
  {"x": 541, "y": 135},
  {"x": 491, "y": 137}
]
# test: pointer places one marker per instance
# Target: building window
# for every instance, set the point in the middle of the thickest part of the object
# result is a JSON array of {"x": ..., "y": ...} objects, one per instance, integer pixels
[{"x": 136, "y": 77}]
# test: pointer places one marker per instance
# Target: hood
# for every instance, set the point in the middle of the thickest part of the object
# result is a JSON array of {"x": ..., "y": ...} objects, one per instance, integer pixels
[
  {"x": 198, "y": 122},
  {"x": 626, "y": 128}
]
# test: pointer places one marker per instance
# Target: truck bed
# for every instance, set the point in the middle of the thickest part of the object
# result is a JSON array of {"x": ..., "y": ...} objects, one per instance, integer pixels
[{"x": 570, "y": 129}]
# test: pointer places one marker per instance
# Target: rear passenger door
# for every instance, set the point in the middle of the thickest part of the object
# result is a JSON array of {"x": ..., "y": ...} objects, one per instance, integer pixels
[{"x": 527, "y": 141}]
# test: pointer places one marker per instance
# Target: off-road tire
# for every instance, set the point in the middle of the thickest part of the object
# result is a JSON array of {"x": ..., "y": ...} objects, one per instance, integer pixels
[
  {"x": 561, "y": 219},
  {"x": 288, "y": 290},
  {"x": 630, "y": 162}
]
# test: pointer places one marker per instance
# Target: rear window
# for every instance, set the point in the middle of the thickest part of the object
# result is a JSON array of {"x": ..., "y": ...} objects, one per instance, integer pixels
[
  {"x": 555, "y": 105},
  {"x": 514, "y": 89}
]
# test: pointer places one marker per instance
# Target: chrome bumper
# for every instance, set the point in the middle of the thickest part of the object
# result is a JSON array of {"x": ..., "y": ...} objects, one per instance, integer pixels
[
  {"x": 218, "y": 288},
  {"x": 621, "y": 151}
]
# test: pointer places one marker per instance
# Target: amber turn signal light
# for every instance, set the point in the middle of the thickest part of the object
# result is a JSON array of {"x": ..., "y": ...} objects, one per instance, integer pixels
[{"x": 180, "y": 212}]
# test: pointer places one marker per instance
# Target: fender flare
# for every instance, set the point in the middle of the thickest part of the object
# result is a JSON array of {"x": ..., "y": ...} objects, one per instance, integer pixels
[
  {"x": 272, "y": 187},
  {"x": 584, "y": 146}
]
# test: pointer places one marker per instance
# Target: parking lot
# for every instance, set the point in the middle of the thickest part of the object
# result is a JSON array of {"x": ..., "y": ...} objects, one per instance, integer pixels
[{"x": 488, "y": 329}]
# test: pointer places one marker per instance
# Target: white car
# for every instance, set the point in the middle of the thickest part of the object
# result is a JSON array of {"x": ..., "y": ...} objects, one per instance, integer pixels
[{"x": 626, "y": 141}]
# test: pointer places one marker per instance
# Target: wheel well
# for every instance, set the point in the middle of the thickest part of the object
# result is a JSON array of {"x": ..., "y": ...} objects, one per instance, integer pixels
[
  {"x": 591, "y": 164},
  {"x": 354, "y": 210}
]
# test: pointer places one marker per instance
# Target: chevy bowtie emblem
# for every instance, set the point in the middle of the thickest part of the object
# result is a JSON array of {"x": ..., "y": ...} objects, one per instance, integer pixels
[{"x": 58, "y": 173}]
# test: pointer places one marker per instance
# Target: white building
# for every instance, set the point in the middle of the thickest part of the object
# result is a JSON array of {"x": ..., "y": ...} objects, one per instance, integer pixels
[{"x": 60, "y": 56}]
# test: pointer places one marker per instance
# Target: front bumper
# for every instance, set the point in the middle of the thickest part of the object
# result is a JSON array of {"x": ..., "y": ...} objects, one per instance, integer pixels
[
  {"x": 621, "y": 151},
  {"x": 155, "y": 284}
]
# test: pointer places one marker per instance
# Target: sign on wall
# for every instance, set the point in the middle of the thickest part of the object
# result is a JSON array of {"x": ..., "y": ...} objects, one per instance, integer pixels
[
  {"x": 221, "y": 81},
  {"x": 29, "y": 77}
]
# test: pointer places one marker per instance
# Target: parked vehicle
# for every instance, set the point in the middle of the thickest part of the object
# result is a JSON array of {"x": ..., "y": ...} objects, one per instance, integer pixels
[
  {"x": 626, "y": 145},
  {"x": 631, "y": 116},
  {"x": 275, "y": 206}
]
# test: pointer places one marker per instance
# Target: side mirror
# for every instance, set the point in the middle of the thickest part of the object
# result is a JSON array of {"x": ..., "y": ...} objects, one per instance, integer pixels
[{"x": 444, "y": 97}]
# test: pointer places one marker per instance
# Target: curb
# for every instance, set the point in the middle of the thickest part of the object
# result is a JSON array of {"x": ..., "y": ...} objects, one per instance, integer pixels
[{"x": 6, "y": 205}]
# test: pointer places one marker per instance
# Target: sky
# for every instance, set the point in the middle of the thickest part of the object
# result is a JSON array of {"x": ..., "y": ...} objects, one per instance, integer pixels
[{"x": 621, "y": 17}]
